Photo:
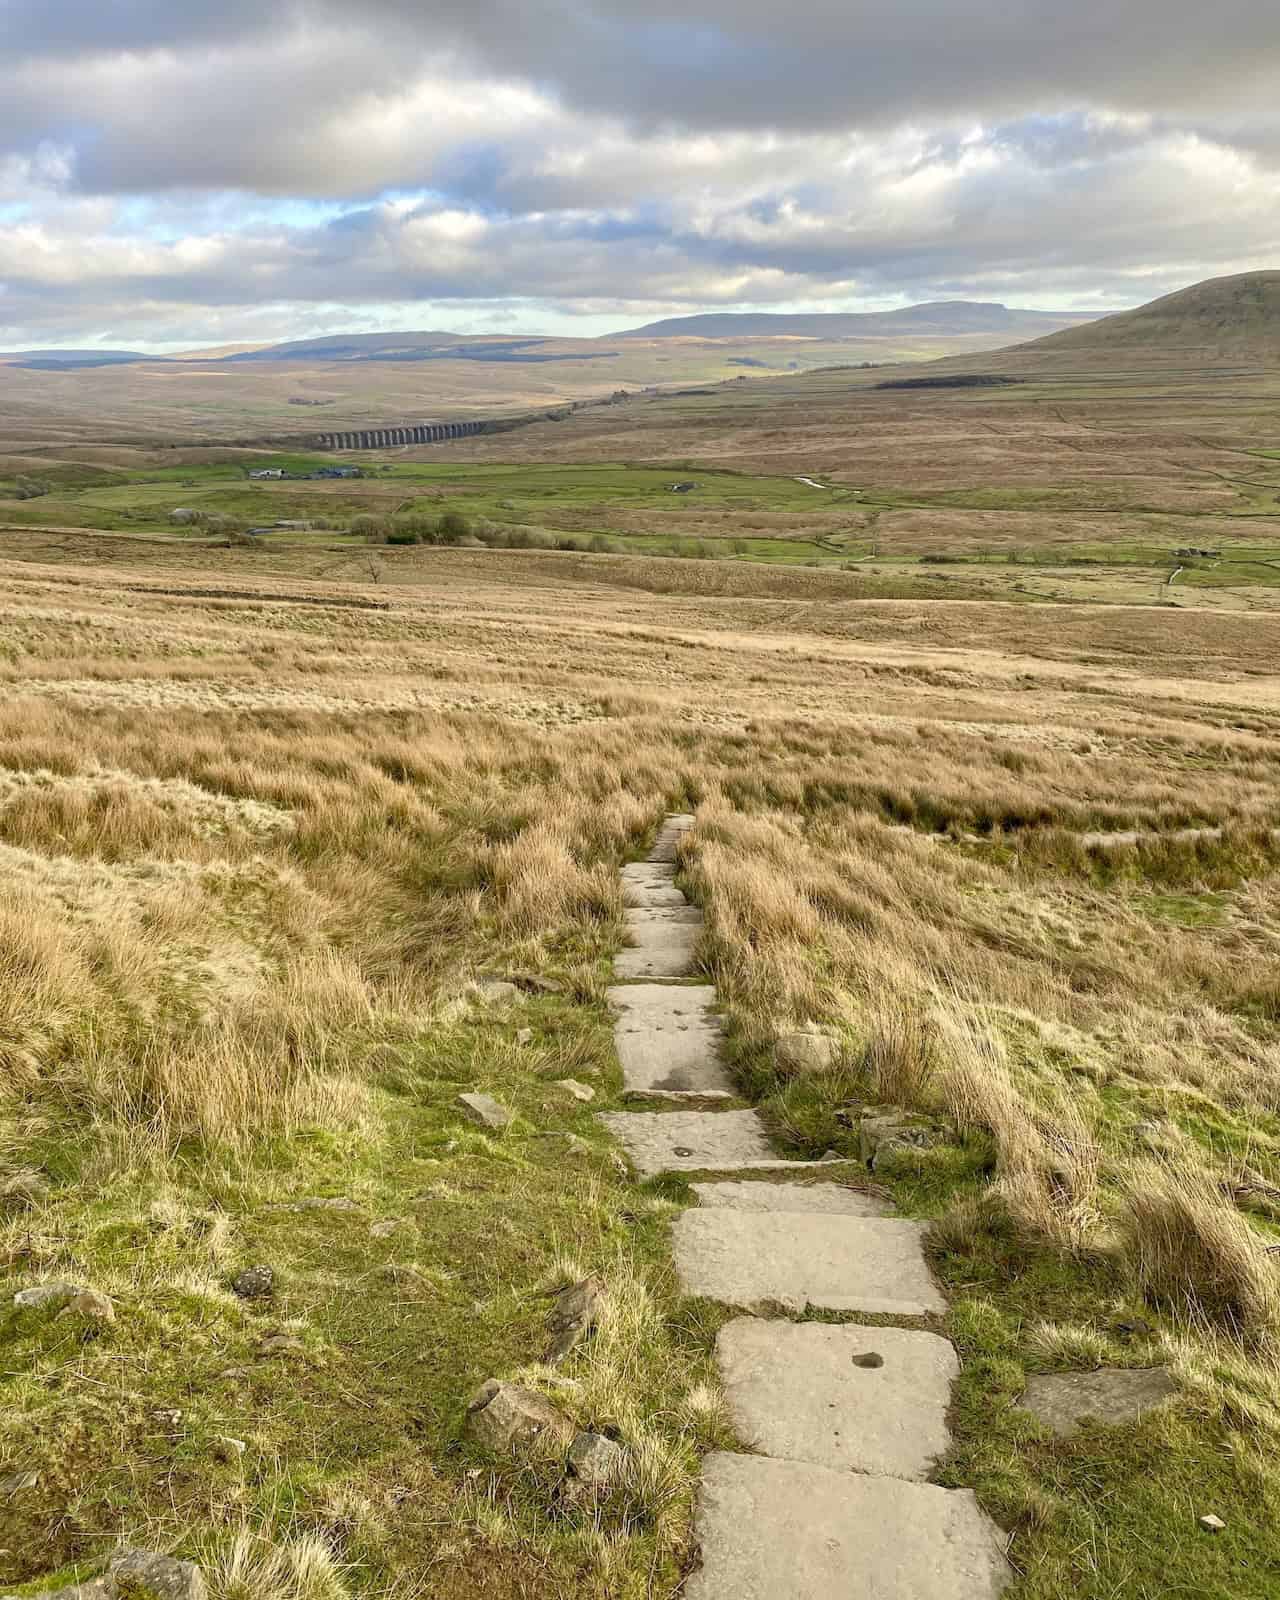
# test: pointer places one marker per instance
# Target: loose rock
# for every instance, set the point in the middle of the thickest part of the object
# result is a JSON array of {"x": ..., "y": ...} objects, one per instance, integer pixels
[
  {"x": 596, "y": 1460},
  {"x": 579, "y": 1091},
  {"x": 226, "y": 1448},
  {"x": 320, "y": 1202},
  {"x": 494, "y": 992},
  {"x": 46, "y": 1294},
  {"x": 505, "y": 1414},
  {"x": 22, "y": 1189},
  {"x": 1212, "y": 1524},
  {"x": 89, "y": 1303},
  {"x": 16, "y": 1483},
  {"x": 254, "y": 1283},
  {"x": 575, "y": 1311},
  {"x": 383, "y": 1230},
  {"x": 485, "y": 1110},
  {"x": 524, "y": 1035},
  {"x": 282, "y": 1344},
  {"x": 886, "y": 1127},
  {"x": 137, "y": 1575},
  {"x": 807, "y": 1049}
]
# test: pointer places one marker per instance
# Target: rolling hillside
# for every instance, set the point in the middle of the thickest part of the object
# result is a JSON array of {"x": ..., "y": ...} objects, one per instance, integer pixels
[
  {"x": 1222, "y": 320},
  {"x": 936, "y": 318}
]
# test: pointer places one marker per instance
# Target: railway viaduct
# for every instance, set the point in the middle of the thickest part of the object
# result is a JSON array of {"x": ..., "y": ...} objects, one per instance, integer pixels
[{"x": 419, "y": 433}]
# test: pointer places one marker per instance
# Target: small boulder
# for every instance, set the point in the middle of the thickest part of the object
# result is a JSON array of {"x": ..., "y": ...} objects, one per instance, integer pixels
[
  {"x": 1212, "y": 1524},
  {"x": 45, "y": 1295},
  {"x": 886, "y": 1127},
  {"x": 254, "y": 1283},
  {"x": 575, "y": 1311},
  {"x": 485, "y": 1110},
  {"x": 282, "y": 1343},
  {"x": 225, "y": 1448},
  {"x": 807, "y": 1049},
  {"x": 140, "y": 1575},
  {"x": 505, "y": 1414},
  {"x": 92, "y": 1305},
  {"x": 493, "y": 992},
  {"x": 596, "y": 1460},
  {"x": 323, "y": 1202},
  {"x": 21, "y": 1190},
  {"x": 15, "y": 1483},
  {"x": 524, "y": 1035},
  {"x": 579, "y": 1091},
  {"x": 383, "y": 1230}
]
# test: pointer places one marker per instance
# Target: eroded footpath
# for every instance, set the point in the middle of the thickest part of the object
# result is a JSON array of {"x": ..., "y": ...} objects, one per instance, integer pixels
[{"x": 845, "y": 1420}]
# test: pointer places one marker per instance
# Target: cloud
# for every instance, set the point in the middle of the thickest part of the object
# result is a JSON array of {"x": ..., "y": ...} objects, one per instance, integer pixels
[{"x": 199, "y": 166}]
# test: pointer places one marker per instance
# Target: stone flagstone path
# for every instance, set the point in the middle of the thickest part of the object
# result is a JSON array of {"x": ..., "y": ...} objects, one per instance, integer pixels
[{"x": 847, "y": 1419}]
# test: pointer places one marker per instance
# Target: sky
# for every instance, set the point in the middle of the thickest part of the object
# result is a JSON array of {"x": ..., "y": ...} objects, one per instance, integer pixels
[{"x": 221, "y": 171}]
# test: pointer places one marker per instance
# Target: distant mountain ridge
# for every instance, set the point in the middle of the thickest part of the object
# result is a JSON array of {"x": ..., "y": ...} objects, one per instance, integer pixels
[{"x": 933, "y": 317}]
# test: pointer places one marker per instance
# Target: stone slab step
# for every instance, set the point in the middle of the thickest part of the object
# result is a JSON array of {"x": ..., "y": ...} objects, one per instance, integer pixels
[
  {"x": 661, "y": 945},
  {"x": 788, "y": 1530},
  {"x": 649, "y": 872},
  {"x": 830, "y": 1198},
  {"x": 868, "y": 1400},
  {"x": 757, "y": 1258},
  {"x": 652, "y": 896},
  {"x": 668, "y": 1038},
  {"x": 670, "y": 833},
  {"x": 696, "y": 1141}
]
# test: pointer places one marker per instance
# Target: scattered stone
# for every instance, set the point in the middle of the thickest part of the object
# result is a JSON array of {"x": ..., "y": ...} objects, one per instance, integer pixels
[
  {"x": 524, "y": 1035},
  {"x": 92, "y": 1305},
  {"x": 16, "y": 1483},
  {"x": 596, "y": 1460},
  {"x": 575, "y": 1311},
  {"x": 137, "y": 1575},
  {"x": 1134, "y": 1328},
  {"x": 1111, "y": 1395},
  {"x": 46, "y": 1294},
  {"x": 168, "y": 1417},
  {"x": 839, "y": 1263},
  {"x": 226, "y": 1448},
  {"x": 23, "y": 1189},
  {"x": 493, "y": 992},
  {"x": 887, "y": 1127},
  {"x": 383, "y": 1230},
  {"x": 807, "y": 1049},
  {"x": 789, "y": 1529},
  {"x": 1212, "y": 1524},
  {"x": 505, "y": 1414},
  {"x": 832, "y": 1198},
  {"x": 485, "y": 1110},
  {"x": 403, "y": 1276},
  {"x": 579, "y": 1091},
  {"x": 669, "y": 1038},
  {"x": 281, "y": 1344},
  {"x": 254, "y": 1283},
  {"x": 235, "y": 1374},
  {"x": 812, "y": 1392},
  {"x": 320, "y": 1202}
]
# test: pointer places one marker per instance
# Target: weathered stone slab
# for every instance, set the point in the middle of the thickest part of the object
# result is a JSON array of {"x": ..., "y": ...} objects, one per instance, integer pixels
[
  {"x": 668, "y": 1038},
  {"x": 788, "y": 1530},
  {"x": 669, "y": 836},
  {"x": 695, "y": 1141},
  {"x": 828, "y": 1198},
  {"x": 1112, "y": 1395},
  {"x": 652, "y": 896},
  {"x": 662, "y": 943},
  {"x": 855, "y": 1399},
  {"x": 756, "y": 1258}
]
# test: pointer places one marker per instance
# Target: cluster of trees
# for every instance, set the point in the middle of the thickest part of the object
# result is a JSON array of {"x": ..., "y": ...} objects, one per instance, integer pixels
[
  {"x": 30, "y": 488},
  {"x": 453, "y": 528}
]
